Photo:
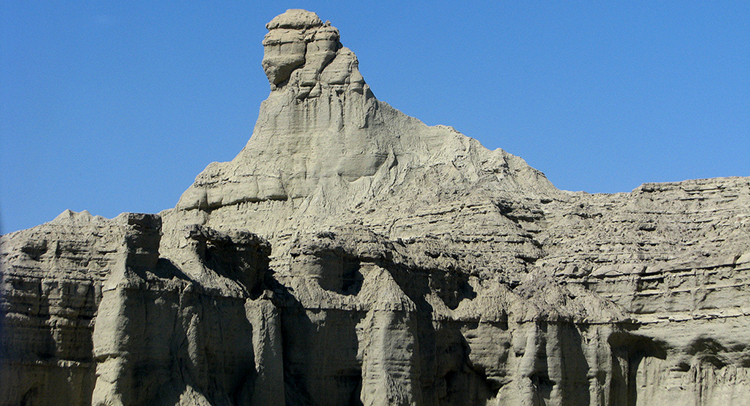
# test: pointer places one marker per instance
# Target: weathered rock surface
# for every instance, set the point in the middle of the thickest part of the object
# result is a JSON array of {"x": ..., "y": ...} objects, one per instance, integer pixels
[{"x": 353, "y": 255}]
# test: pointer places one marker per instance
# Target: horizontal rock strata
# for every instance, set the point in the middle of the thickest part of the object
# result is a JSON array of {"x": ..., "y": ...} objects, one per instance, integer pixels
[{"x": 352, "y": 255}]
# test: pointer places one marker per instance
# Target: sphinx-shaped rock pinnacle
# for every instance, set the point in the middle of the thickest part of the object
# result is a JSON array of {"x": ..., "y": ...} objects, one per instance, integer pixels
[
  {"x": 321, "y": 130},
  {"x": 351, "y": 254},
  {"x": 301, "y": 50}
]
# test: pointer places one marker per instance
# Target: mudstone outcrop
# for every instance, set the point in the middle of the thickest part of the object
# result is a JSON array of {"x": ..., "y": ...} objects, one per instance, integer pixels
[{"x": 352, "y": 255}]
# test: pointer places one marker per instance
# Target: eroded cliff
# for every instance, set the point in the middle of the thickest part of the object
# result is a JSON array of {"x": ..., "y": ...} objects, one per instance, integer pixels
[{"x": 351, "y": 254}]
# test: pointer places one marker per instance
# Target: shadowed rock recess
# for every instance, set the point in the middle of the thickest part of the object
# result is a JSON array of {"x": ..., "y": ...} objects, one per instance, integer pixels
[{"x": 352, "y": 255}]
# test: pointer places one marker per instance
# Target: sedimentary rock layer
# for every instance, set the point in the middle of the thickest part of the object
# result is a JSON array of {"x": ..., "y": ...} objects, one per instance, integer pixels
[{"x": 351, "y": 254}]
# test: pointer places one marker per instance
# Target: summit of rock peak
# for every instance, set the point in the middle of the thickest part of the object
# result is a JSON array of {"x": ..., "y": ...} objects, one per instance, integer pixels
[
  {"x": 322, "y": 134},
  {"x": 295, "y": 18},
  {"x": 351, "y": 254},
  {"x": 301, "y": 52}
]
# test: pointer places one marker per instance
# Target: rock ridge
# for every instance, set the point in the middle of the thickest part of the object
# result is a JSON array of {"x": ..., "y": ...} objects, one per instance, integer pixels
[{"x": 352, "y": 255}]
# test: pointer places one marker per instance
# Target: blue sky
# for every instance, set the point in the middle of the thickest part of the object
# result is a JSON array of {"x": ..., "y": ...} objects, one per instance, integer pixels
[{"x": 116, "y": 106}]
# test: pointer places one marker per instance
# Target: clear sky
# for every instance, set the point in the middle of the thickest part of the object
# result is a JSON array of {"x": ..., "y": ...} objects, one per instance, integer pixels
[{"x": 114, "y": 106}]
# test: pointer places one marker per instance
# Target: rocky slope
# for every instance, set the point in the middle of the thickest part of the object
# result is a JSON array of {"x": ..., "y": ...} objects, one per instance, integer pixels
[{"x": 353, "y": 255}]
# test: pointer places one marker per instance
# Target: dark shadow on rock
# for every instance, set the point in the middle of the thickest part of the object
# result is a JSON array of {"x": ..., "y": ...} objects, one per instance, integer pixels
[
  {"x": 240, "y": 256},
  {"x": 575, "y": 367},
  {"x": 166, "y": 269},
  {"x": 707, "y": 350},
  {"x": 335, "y": 270},
  {"x": 320, "y": 351},
  {"x": 628, "y": 351},
  {"x": 351, "y": 277},
  {"x": 451, "y": 286},
  {"x": 458, "y": 381}
]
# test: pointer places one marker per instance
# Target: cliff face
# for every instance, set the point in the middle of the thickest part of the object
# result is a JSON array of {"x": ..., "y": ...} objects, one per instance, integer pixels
[{"x": 353, "y": 255}]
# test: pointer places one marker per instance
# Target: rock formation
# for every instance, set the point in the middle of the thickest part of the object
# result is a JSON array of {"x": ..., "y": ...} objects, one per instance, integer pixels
[{"x": 352, "y": 255}]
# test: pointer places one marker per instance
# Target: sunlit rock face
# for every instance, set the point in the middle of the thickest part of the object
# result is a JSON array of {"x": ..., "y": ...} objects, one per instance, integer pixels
[
  {"x": 352, "y": 255},
  {"x": 320, "y": 122},
  {"x": 298, "y": 38}
]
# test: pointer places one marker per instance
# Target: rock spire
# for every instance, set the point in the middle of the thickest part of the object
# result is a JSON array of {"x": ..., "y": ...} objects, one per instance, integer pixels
[
  {"x": 303, "y": 52},
  {"x": 352, "y": 255}
]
